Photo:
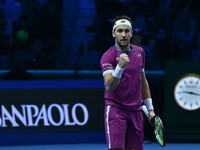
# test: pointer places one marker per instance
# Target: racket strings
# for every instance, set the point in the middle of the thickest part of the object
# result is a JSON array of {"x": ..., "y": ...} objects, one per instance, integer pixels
[{"x": 158, "y": 131}]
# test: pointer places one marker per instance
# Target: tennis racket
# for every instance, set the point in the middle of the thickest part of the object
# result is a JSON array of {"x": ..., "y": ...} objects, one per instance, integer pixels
[{"x": 157, "y": 124}]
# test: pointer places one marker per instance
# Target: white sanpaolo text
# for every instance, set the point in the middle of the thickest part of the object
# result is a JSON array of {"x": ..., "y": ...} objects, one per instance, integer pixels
[{"x": 30, "y": 115}]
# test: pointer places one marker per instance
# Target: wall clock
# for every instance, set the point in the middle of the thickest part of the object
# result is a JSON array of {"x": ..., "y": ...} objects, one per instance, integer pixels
[{"x": 187, "y": 92}]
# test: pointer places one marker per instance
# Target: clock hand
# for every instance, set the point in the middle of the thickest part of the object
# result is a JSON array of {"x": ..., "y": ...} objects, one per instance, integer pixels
[
  {"x": 188, "y": 92},
  {"x": 195, "y": 94}
]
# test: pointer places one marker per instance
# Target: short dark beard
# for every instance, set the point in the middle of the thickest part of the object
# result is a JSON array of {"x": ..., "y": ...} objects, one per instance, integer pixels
[{"x": 123, "y": 46}]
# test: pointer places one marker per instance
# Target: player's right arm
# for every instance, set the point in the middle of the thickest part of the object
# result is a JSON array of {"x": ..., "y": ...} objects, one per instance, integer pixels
[{"x": 111, "y": 80}]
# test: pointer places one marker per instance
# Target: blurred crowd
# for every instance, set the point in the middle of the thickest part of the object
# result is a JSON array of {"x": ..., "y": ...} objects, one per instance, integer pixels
[{"x": 30, "y": 31}]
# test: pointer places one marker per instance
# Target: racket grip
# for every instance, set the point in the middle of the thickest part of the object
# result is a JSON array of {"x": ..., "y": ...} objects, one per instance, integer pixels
[{"x": 145, "y": 110}]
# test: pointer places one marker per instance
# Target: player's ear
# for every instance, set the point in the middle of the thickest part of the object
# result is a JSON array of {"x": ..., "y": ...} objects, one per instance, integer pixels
[
  {"x": 113, "y": 33},
  {"x": 132, "y": 33}
]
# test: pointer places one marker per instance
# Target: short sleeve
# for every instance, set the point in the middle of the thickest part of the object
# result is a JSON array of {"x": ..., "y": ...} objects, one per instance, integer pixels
[
  {"x": 143, "y": 60},
  {"x": 107, "y": 63}
]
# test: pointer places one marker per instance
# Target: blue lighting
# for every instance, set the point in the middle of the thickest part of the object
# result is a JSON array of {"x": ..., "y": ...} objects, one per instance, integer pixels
[{"x": 51, "y": 84}]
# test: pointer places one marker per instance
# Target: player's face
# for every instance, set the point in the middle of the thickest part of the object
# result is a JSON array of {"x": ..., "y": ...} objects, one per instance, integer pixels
[{"x": 122, "y": 34}]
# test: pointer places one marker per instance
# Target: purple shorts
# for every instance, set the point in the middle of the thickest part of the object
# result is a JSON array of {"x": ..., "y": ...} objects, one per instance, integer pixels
[{"x": 124, "y": 129}]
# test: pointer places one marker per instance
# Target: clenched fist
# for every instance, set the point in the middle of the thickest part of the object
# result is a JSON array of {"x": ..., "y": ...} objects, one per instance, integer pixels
[{"x": 123, "y": 60}]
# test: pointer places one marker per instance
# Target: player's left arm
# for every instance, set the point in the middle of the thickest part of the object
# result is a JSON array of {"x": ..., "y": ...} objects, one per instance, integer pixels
[{"x": 146, "y": 94}]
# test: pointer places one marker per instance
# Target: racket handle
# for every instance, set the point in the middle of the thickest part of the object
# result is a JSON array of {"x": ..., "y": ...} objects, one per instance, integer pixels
[{"x": 145, "y": 110}]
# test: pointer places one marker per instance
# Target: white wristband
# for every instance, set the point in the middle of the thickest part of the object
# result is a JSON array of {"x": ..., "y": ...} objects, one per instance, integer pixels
[
  {"x": 148, "y": 104},
  {"x": 118, "y": 72}
]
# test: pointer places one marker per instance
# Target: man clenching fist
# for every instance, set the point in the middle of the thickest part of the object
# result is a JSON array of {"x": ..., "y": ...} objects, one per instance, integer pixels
[
  {"x": 125, "y": 88},
  {"x": 123, "y": 60}
]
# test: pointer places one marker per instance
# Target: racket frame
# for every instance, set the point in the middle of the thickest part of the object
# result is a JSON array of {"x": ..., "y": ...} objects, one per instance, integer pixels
[{"x": 152, "y": 121}]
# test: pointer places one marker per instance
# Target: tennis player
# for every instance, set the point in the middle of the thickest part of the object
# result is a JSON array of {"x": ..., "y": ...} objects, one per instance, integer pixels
[{"x": 125, "y": 86}]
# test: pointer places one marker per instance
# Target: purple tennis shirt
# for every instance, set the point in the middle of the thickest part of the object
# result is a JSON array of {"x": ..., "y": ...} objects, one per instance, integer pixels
[{"x": 128, "y": 93}]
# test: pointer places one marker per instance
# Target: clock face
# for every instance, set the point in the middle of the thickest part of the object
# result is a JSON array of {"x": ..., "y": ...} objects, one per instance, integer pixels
[{"x": 187, "y": 92}]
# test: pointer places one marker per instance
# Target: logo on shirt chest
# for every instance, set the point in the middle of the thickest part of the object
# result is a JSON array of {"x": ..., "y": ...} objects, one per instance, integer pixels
[{"x": 133, "y": 59}]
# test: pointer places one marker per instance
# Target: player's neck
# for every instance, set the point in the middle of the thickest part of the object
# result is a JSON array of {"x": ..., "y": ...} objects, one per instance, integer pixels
[{"x": 123, "y": 48}]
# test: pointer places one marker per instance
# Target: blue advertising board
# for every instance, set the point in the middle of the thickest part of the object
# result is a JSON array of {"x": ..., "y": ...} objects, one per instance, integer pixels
[{"x": 51, "y": 112}]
